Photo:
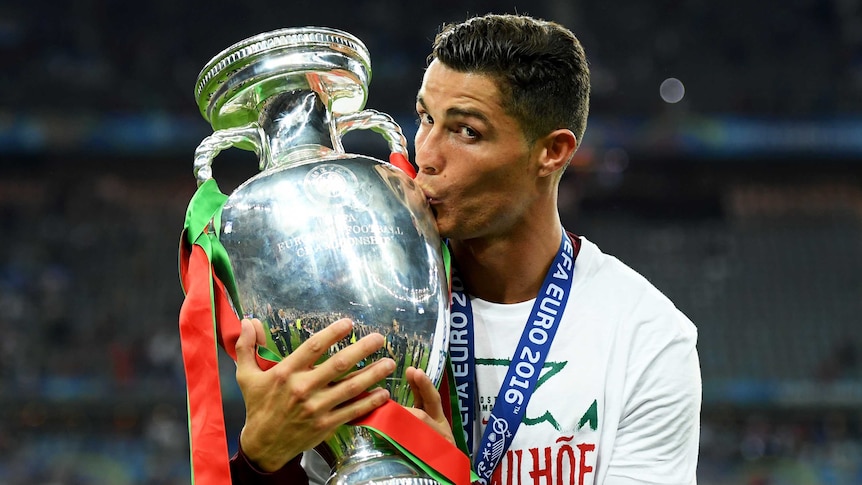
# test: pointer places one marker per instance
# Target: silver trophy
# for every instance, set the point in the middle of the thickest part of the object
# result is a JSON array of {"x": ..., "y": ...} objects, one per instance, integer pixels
[{"x": 319, "y": 234}]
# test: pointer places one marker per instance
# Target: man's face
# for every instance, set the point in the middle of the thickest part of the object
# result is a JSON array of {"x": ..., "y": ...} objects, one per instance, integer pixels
[{"x": 475, "y": 166}]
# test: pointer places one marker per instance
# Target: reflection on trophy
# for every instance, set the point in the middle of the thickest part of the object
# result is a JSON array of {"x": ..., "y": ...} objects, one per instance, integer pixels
[{"x": 319, "y": 234}]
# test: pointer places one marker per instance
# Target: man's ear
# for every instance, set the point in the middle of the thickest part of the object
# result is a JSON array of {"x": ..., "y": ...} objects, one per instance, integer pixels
[{"x": 557, "y": 148}]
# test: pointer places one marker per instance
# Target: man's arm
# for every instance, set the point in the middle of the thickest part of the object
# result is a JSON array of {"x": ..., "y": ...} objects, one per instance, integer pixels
[
  {"x": 659, "y": 432},
  {"x": 244, "y": 472}
]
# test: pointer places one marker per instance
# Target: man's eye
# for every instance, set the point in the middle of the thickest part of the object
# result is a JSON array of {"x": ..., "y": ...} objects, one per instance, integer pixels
[
  {"x": 424, "y": 118},
  {"x": 469, "y": 132}
]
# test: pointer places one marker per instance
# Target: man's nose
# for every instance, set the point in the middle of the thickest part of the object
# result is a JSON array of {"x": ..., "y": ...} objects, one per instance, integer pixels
[{"x": 429, "y": 158}]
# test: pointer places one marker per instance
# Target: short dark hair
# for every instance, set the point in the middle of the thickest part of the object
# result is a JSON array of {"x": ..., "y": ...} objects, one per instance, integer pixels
[{"x": 539, "y": 66}]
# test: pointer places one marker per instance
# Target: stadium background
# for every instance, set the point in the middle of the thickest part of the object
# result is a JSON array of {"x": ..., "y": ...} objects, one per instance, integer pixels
[{"x": 741, "y": 201}]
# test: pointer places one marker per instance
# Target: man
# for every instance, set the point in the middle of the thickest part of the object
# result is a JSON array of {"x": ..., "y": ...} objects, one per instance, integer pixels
[{"x": 588, "y": 371}]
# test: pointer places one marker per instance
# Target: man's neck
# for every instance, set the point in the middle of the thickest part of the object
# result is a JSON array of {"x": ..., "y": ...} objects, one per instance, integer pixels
[{"x": 509, "y": 269}]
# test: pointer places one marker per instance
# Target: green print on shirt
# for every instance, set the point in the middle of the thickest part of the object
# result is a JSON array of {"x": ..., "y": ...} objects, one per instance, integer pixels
[{"x": 590, "y": 417}]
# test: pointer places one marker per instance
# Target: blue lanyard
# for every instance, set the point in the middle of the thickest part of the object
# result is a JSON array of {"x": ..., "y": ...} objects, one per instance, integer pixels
[{"x": 527, "y": 362}]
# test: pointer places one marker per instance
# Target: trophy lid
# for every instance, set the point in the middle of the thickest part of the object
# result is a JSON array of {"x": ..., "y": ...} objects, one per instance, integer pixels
[{"x": 335, "y": 64}]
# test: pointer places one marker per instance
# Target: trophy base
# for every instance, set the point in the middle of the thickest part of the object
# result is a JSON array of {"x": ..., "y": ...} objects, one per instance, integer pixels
[{"x": 383, "y": 470}]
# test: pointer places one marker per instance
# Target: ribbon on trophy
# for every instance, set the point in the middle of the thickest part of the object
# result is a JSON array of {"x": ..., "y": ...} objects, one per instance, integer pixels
[
  {"x": 203, "y": 318},
  {"x": 208, "y": 320}
]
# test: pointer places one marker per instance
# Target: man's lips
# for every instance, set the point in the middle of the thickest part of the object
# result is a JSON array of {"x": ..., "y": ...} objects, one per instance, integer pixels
[
  {"x": 430, "y": 197},
  {"x": 433, "y": 202}
]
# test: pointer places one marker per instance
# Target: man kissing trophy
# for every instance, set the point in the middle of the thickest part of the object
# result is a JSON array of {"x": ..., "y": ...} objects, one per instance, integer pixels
[{"x": 317, "y": 235}]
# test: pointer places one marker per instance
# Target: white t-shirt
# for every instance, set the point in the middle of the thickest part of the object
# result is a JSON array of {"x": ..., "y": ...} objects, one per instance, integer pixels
[{"x": 618, "y": 399}]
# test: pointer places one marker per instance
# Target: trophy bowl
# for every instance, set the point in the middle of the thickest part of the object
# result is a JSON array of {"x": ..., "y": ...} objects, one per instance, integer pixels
[{"x": 319, "y": 234}]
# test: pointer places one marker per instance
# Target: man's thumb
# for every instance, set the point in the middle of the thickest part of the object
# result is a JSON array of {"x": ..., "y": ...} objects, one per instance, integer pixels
[{"x": 245, "y": 350}]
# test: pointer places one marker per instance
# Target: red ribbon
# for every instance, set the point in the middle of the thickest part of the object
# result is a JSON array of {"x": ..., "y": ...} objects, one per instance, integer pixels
[
  {"x": 419, "y": 439},
  {"x": 206, "y": 319},
  {"x": 400, "y": 161},
  {"x": 209, "y": 454}
]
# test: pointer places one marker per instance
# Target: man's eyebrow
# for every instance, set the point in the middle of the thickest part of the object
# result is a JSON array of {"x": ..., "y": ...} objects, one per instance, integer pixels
[
  {"x": 466, "y": 113},
  {"x": 455, "y": 111}
]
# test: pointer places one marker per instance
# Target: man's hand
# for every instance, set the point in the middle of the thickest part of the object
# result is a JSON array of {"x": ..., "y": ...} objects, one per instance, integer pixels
[
  {"x": 426, "y": 403},
  {"x": 295, "y": 405}
]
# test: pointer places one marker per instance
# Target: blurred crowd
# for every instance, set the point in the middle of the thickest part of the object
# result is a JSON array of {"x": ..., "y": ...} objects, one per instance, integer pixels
[
  {"x": 89, "y": 279},
  {"x": 792, "y": 58},
  {"x": 91, "y": 376},
  {"x": 769, "y": 267}
]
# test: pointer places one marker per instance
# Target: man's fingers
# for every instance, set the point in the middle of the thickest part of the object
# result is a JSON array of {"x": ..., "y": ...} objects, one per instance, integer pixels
[
  {"x": 426, "y": 403},
  {"x": 312, "y": 349},
  {"x": 437, "y": 426},
  {"x": 425, "y": 395},
  {"x": 357, "y": 408},
  {"x": 245, "y": 349},
  {"x": 418, "y": 401},
  {"x": 347, "y": 389},
  {"x": 346, "y": 359},
  {"x": 338, "y": 365},
  {"x": 422, "y": 415},
  {"x": 260, "y": 336}
]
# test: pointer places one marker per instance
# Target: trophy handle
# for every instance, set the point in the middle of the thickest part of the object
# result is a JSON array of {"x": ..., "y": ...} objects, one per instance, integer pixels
[
  {"x": 376, "y": 121},
  {"x": 248, "y": 137}
]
